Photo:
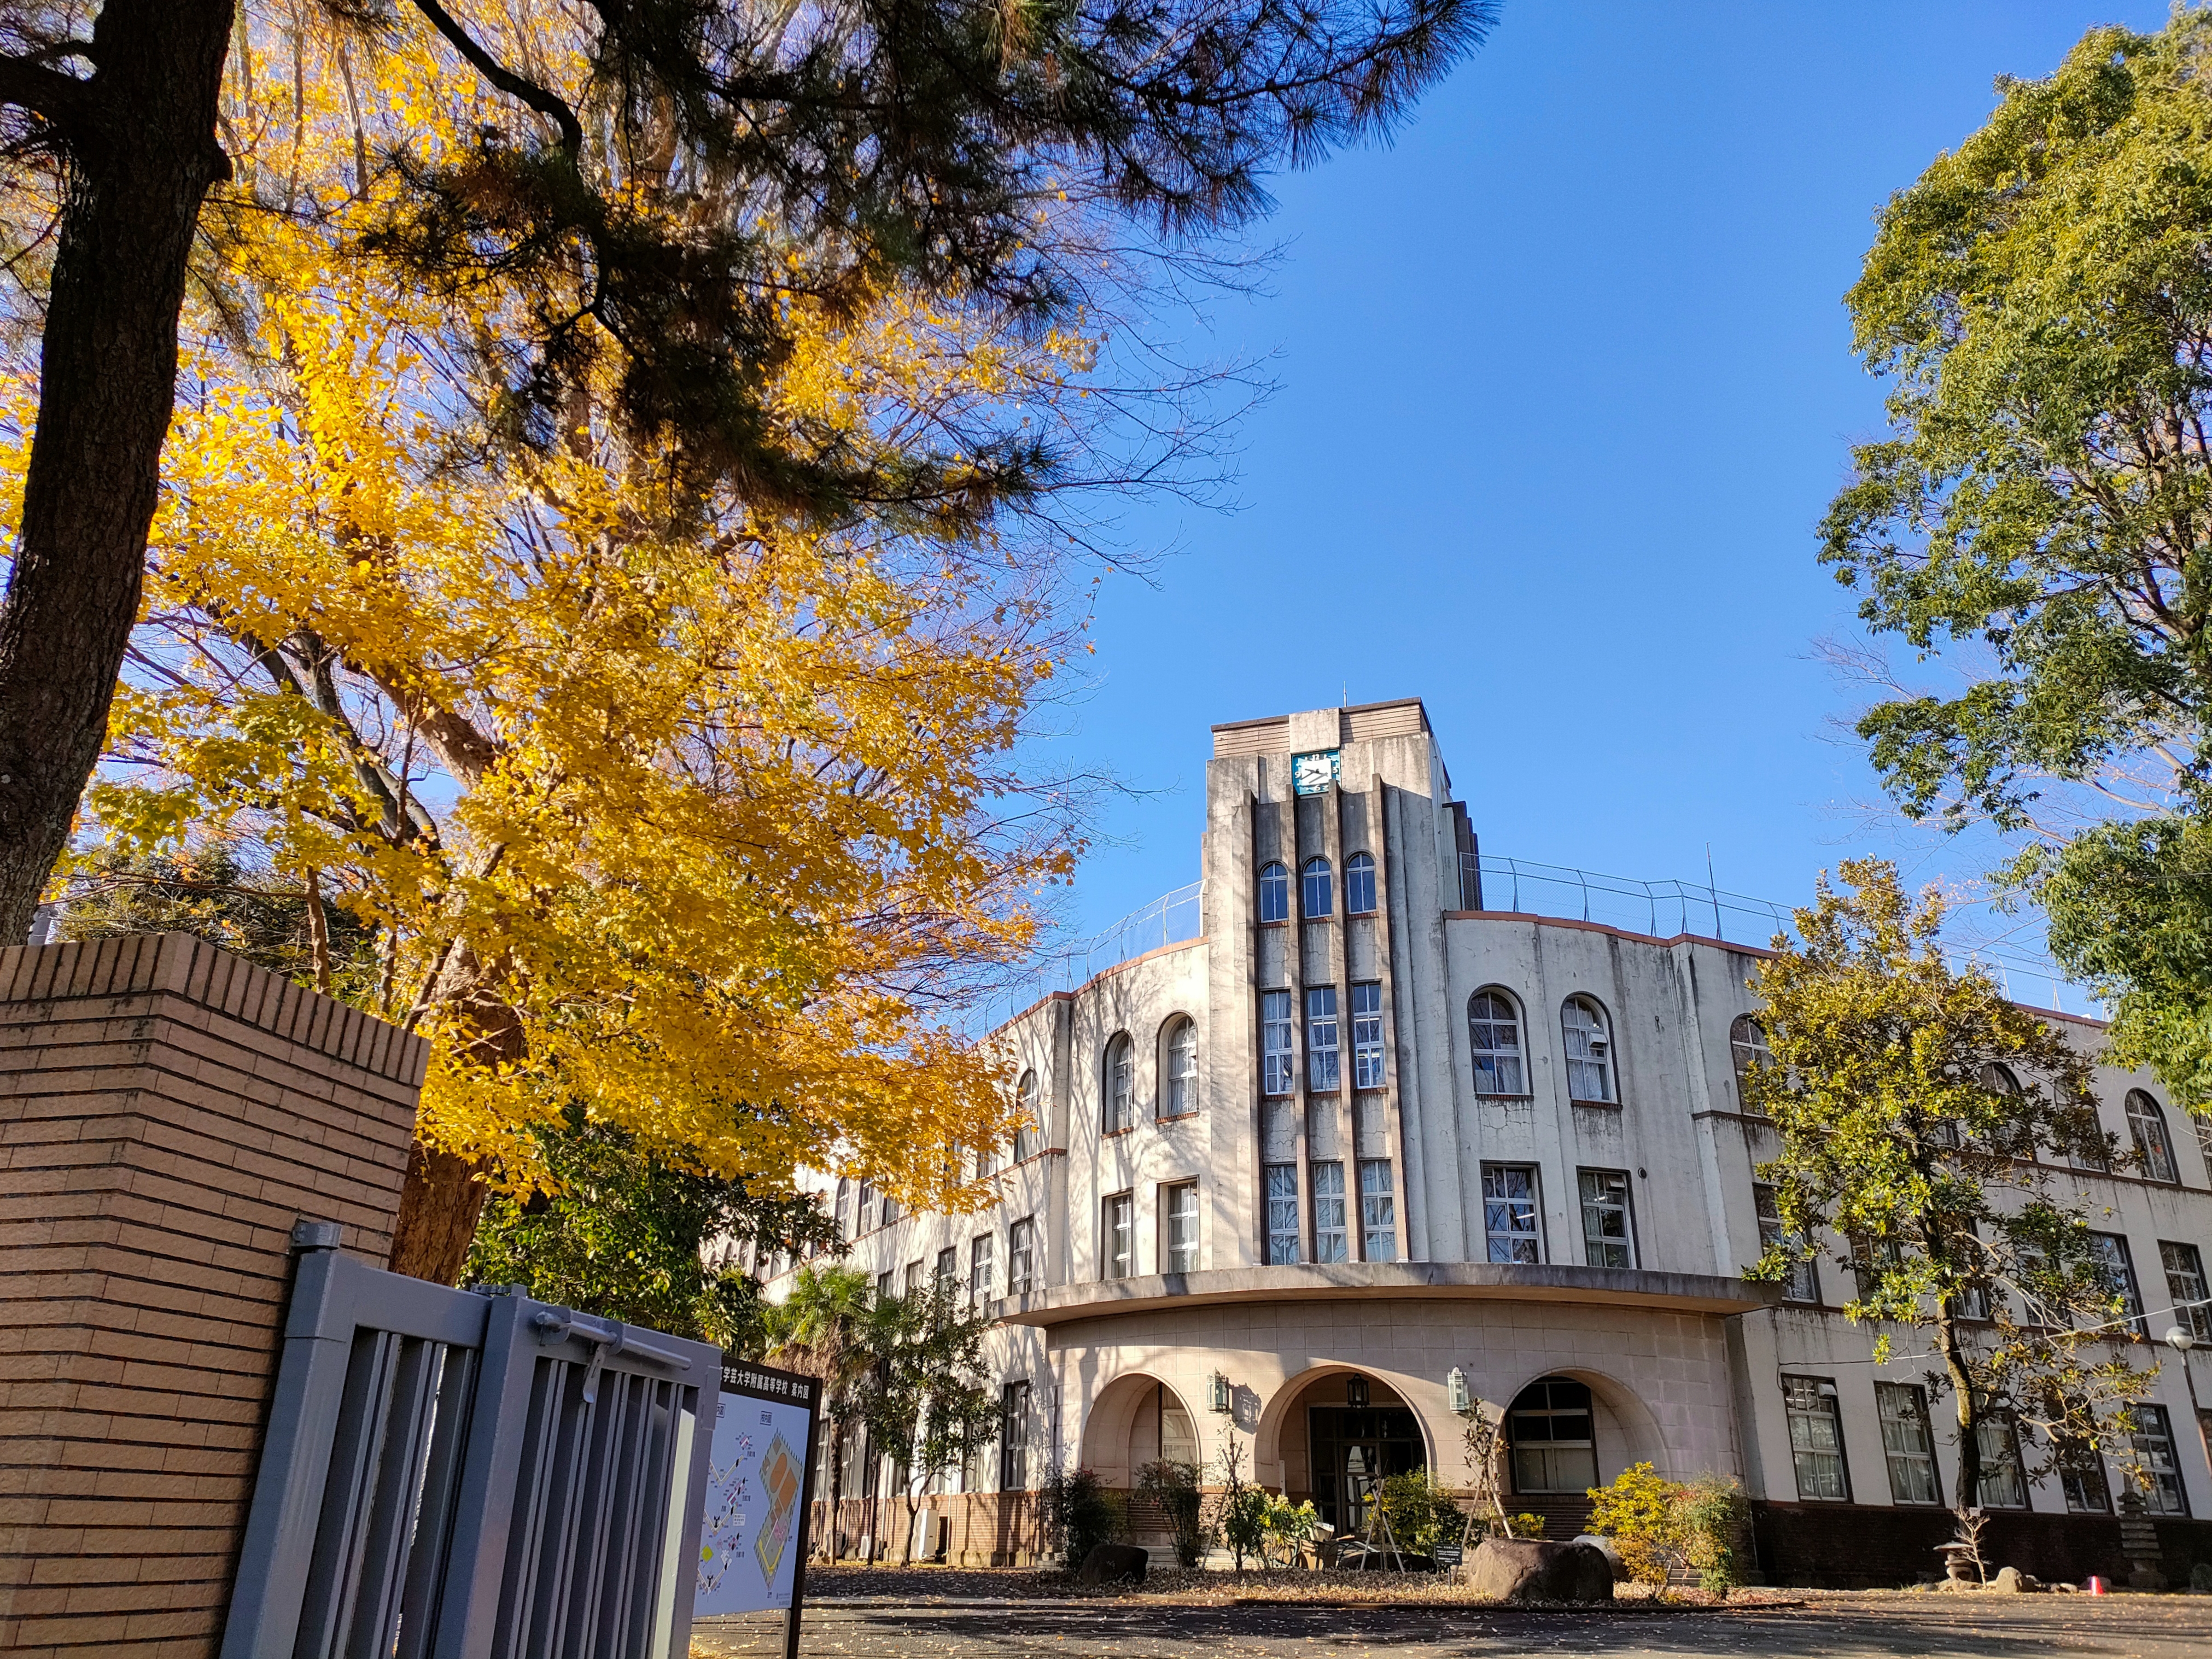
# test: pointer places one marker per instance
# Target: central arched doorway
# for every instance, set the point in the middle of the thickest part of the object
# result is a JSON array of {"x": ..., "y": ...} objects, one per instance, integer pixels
[{"x": 1339, "y": 1437}]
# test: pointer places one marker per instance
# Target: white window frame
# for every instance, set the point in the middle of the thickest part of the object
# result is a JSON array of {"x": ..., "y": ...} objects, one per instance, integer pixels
[
  {"x": 1029, "y": 1134},
  {"x": 1811, "y": 1407},
  {"x": 1367, "y": 1070},
  {"x": 1588, "y": 1046},
  {"x": 1747, "y": 1046},
  {"x": 1179, "y": 1227},
  {"x": 1332, "y": 1238},
  {"x": 1618, "y": 1200},
  {"x": 1317, "y": 870},
  {"x": 1178, "y": 1089},
  {"x": 1284, "y": 1244},
  {"x": 1021, "y": 1256},
  {"x": 1378, "y": 1210},
  {"x": 2153, "y": 1145},
  {"x": 1324, "y": 1060},
  {"x": 1119, "y": 1108},
  {"x": 1513, "y": 1220},
  {"x": 2186, "y": 1287},
  {"x": 1908, "y": 1445},
  {"x": 982, "y": 1269},
  {"x": 1278, "y": 1057},
  {"x": 1117, "y": 1251},
  {"x": 1274, "y": 892},
  {"x": 1359, "y": 883},
  {"x": 2160, "y": 1453},
  {"x": 1803, "y": 1285},
  {"x": 1507, "y": 1063}
]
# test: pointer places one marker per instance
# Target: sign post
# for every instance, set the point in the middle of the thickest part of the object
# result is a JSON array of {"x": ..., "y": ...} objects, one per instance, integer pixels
[{"x": 760, "y": 1494}]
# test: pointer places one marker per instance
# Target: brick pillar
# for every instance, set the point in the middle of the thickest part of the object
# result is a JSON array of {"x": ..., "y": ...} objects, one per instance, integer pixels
[{"x": 166, "y": 1113}]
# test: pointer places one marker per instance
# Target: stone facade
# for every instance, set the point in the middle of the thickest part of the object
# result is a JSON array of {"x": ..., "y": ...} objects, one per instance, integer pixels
[
  {"x": 166, "y": 1113},
  {"x": 1338, "y": 1140}
]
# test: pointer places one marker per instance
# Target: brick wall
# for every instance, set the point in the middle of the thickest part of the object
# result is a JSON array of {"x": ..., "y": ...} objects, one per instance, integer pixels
[
  {"x": 167, "y": 1112},
  {"x": 1856, "y": 1546},
  {"x": 978, "y": 1528}
]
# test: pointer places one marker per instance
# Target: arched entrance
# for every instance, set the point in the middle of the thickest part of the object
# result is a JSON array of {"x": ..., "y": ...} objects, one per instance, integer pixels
[
  {"x": 1137, "y": 1419},
  {"x": 1336, "y": 1436},
  {"x": 1567, "y": 1431}
]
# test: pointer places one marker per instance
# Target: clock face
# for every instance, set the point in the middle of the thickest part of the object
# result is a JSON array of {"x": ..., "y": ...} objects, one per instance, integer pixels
[{"x": 1310, "y": 775}]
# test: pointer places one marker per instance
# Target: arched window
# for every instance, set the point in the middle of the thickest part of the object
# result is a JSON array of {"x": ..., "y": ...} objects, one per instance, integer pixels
[
  {"x": 1274, "y": 893},
  {"x": 1029, "y": 1134},
  {"x": 1179, "y": 1067},
  {"x": 1120, "y": 1084},
  {"x": 1493, "y": 1032},
  {"x": 1747, "y": 1049},
  {"x": 1590, "y": 1050},
  {"x": 1551, "y": 1428},
  {"x": 2147, "y": 1123},
  {"x": 1315, "y": 890},
  {"x": 1359, "y": 886}
]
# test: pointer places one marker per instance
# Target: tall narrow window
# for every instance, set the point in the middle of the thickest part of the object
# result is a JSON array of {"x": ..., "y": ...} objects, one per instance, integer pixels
[
  {"x": 1321, "y": 1057},
  {"x": 2186, "y": 1288},
  {"x": 981, "y": 1268},
  {"x": 1816, "y": 1439},
  {"x": 1120, "y": 1085},
  {"x": 1029, "y": 1134},
  {"x": 1179, "y": 1097},
  {"x": 845, "y": 1229},
  {"x": 1908, "y": 1443},
  {"x": 2082, "y": 1478},
  {"x": 1282, "y": 1214},
  {"x": 1747, "y": 1049},
  {"x": 1359, "y": 886},
  {"x": 2012, "y": 1136},
  {"x": 1014, "y": 1434},
  {"x": 2154, "y": 1147},
  {"x": 1801, "y": 1285},
  {"x": 1329, "y": 1242},
  {"x": 864, "y": 1214},
  {"x": 2162, "y": 1468},
  {"x": 1367, "y": 1036},
  {"x": 2003, "y": 1485},
  {"x": 1493, "y": 1031},
  {"x": 1590, "y": 1050},
  {"x": 1378, "y": 1210},
  {"x": 1315, "y": 889},
  {"x": 2203, "y": 1127},
  {"x": 1274, "y": 893},
  {"x": 1607, "y": 1240},
  {"x": 886, "y": 1285},
  {"x": 1179, "y": 1216},
  {"x": 986, "y": 1160},
  {"x": 1119, "y": 1241},
  {"x": 1277, "y": 1059},
  {"x": 948, "y": 1275},
  {"x": 913, "y": 1279},
  {"x": 2112, "y": 1251},
  {"x": 1508, "y": 1212},
  {"x": 1021, "y": 1257}
]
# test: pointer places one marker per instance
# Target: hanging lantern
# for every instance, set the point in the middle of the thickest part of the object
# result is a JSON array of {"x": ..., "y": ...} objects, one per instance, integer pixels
[
  {"x": 1455, "y": 1393},
  {"x": 1355, "y": 1392},
  {"x": 1218, "y": 1394}
]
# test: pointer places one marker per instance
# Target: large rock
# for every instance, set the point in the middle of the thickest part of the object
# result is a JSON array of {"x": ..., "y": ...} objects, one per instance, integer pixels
[
  {"x": 1608, "y": 1548},
  {"x": 1530, "y": 1570},
  {"x": 1110, "y": 1564}
]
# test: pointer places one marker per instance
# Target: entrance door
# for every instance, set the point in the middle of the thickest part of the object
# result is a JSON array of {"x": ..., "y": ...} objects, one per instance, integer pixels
[{"x": 1353, "y": 1452}]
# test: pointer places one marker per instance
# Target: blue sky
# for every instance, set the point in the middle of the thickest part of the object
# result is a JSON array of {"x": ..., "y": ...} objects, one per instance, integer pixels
[{"x": 1565, "y": 386}]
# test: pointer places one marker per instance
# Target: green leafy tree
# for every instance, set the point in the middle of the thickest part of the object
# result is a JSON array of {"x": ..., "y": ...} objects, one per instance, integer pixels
[
  {"x": 1242, "y": 1508},
  {"x": 823, "y": 1326},
  {"x": 1174, "y": 1487},
  {"x": 1420, "y": 1512},
  {"x": 1907, "y": 1158},
  {"x": 2042, "y": 511},
  {"x": 924, "y": 1397},
  {"x": 625, "y": 1233}
]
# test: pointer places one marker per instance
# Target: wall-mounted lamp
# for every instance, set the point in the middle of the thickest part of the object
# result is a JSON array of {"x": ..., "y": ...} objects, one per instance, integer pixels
[
  {"x": 1355, "y": 1392},
  {"x": 1218, "y": 1394},
  {"x": 1455, "y": 1393}
]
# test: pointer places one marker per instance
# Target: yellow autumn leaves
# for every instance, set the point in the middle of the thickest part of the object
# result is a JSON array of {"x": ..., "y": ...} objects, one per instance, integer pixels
[{"x": 701, "y": 816}]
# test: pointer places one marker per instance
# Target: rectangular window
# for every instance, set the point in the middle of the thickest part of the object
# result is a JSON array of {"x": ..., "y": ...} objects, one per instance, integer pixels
[
  {"x": 1508, "y": 1212},
  {"x": 2153, "y": 1439},
  {"x": 1021, "y": 1257},
  {"x": 948, "y": 1275},
  {"x": 1908, "y": 1442},
  {"x": 1367, "y": 1036},
  {"x": 1029, "y": 1141},
  {"x": 1378, "y": 1210},
  {"x": 913, "y": 1279},
  {"x": 2184, "y": 1286},
  {"x": 1179, "y": 1212},
  {"x": 865, "y": 1214},
  {"x": 1014, "y": 1437},
  {"x": 891, "y": 1209},
  {"x": 986, "y": 1161},
  {"x": 1282, "y": 1214},
  {"x": 1278, "y": 1059},
  {"x": 2082, "y": 1478},
  {"x": 1329, "y": 1242},
  {"x": 1320, "y": 1039},
  {"x": 1801, "y": 1285},
  {"x": 1607, "y": 1240},
  {"x": 1119, "y": 1240},
  {"x": 2112, "y": 1251},
  {"x": 2003, "y": 1487},
  {"x": 1816, "y": 1439},
  {"x": 886, "y": 1284},
  {"x": 982, "y": 1267}
]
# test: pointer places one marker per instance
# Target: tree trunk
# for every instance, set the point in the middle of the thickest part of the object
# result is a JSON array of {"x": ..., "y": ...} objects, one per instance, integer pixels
[
  {"x": 438, "y": 1209},
  {"x": 139, "y": 140},
  {"x": 1968, "y": 1492}
]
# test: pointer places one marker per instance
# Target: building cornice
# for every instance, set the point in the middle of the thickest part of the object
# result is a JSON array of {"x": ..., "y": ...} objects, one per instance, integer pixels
[{"x": 1454, "y": 1281}]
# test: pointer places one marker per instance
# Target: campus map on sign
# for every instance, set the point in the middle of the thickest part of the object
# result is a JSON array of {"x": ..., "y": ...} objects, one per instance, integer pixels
[{"x": 753, "y": 1534}]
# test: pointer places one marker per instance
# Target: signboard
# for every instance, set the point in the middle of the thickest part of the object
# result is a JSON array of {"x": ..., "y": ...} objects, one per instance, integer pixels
[
  {"x": 760, "y": 1488},
  {"x": 1447, "y": 1556}
]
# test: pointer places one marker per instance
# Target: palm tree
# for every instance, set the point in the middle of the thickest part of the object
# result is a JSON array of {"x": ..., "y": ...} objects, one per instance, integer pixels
[{"x": 822, "y": 1329}]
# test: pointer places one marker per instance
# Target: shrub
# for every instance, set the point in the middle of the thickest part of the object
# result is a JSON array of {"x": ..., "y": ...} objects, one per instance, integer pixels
[
  {"x": 1715, "y": 1521},
  {"x": 1420, "y": 1512},
  {"x": 1176, "y": 1486},
  {"x": 1081, "y": 1514},
  {"x": 1292, "y": 1526},
  {"x": 1659, "y": 1524},
  {"x": 1528, "y": 1524}
]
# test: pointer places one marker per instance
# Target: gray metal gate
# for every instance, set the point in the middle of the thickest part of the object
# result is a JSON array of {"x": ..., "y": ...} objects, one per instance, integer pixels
[{"x": 464, "y": 1475}]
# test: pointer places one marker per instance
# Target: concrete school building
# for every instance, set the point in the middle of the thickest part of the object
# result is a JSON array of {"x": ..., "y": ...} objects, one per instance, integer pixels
[{"x": 1366, "y": 1147}]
